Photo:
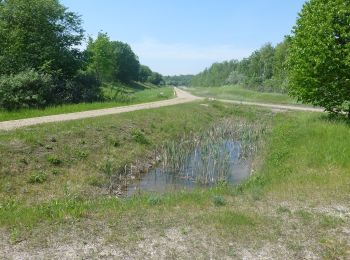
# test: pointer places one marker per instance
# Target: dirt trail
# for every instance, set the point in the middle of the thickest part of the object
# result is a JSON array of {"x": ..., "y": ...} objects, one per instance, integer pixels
[
  {"x": 274, "y": 106},
  {"x": 181, "y": 97}
]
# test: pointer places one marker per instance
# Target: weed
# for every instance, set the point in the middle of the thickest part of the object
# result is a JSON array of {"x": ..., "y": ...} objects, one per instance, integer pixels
[
  {"x": 108, "y": 167},
  {"x": 230, "y": 219},
  {"x": 304, "y": 215},
  {"x": 82, "y": 154},
  {"x": 333, "y": 249},
  {"x": 330, "y": 221},
  {"x": 96, "y": 181},
  {"x": 54, "y": 160},
  {"x": 15, "y": 236},
  {"x": 283, "y": 210},
  {"x": 38, "y": 177},
  {"x": 139, "y": 137},
  {"x": 219, "y": 201},
  {"x": 154, "y": 200},
  {"x": 115, "y": 142},
  {"x": 56, "y": 172}
]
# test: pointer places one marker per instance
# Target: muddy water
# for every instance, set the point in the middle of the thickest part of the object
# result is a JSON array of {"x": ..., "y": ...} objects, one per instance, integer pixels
[{"x": 160, "y": 180}]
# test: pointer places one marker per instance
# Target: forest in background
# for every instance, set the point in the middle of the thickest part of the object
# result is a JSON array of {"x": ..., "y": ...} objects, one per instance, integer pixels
[{"x": 264, "y": 70}]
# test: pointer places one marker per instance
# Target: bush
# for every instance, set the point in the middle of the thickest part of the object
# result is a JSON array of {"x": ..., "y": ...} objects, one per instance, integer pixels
[
  {"x": 84, "y": 87},
  {"x": 26, "y": 89}
]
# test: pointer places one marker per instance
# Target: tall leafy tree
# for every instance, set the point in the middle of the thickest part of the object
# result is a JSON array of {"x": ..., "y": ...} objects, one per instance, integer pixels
[
  {"x": 39, "y": 34},
  {"x": 319, "y": 55},
  {"x": 144, "y": 73},
  {"x": 156, "y": 79},
  {"x": 125, "y": 62},
  {"x": 100, "y": 57},
  {"x": 112, "y": 60}
]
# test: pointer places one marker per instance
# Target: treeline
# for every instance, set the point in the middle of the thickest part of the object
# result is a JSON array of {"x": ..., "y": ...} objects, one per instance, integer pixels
[
  {"x": 178, "y": 80},
  {"x": 41, "y": 62},
  {"x": 114, "y": 61},
  {"x": 264, "y": 70}
]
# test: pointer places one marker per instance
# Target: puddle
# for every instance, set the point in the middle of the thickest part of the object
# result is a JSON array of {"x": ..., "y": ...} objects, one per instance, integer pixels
[{"x": 201, "y": 168}]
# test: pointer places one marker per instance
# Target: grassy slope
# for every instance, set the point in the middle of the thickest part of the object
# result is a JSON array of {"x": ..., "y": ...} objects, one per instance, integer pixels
[
  {"x": 147, "y": 95},
  {"x": 295, "y": 206},
  {"x": 242, "y": 94}
]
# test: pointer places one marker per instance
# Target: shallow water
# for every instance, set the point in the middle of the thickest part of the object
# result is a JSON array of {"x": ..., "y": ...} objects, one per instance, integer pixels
[{"x": 159, "y": 180}]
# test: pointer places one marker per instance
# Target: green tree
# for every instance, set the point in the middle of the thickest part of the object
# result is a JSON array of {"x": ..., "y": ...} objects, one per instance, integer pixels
[
  {"x": 156, "y": 79},
  {"x": 40, "y": 35},
  {"x": 144, "y": 73},
  {"x": 112, "y": 60},
  {"x": 100, "y": 57},
  {"x": 125, "y": 62},
  {"x": 319, "y": 55}
]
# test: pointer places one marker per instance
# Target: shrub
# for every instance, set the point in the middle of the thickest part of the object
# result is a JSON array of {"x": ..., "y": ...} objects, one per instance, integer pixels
[
  {"x": 84, "y": 87},
  {"x": 26, "y": 89}
]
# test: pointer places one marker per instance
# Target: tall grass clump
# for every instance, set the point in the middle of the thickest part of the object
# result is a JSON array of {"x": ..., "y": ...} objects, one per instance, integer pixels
[{"x": 210, "y": 157}]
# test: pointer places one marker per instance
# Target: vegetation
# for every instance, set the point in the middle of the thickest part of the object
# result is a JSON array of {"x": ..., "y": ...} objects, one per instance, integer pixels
[
  {"x": 265, "y": 70},
  {"x": 319, "y": 55},
  {"x": 57, "y": 180},
  {"x": 42, "y": 65},
  {"x": 178, "y": 80},
  {"x": 210, "y": 157},
  {"x": 40, "y": 39},
  {"x": 290, "y": 202},
  {"x": 239, "y": 93},
  {"x": 114, "y": 97},
  {"x": 112, "y": 61}
]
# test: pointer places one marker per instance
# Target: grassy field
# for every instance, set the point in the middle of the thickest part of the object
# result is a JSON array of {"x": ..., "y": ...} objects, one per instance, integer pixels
[
  {"x": 242, "y": 94},
  {"x": 128, "y": 98},
  {"x": 295, "y": 205}
]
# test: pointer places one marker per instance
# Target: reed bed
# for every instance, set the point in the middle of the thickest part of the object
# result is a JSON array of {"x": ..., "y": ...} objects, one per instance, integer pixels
[{"x": 210, "y": 157}]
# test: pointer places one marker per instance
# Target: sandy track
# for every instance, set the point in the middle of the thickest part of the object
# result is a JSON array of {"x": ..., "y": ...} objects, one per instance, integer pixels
[
  {"x": 274, "y": 106},
  {"x": 181, "y": 97}
]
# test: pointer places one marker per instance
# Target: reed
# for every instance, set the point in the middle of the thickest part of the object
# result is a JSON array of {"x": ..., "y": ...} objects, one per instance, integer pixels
[{"x": 210, "y": 157}]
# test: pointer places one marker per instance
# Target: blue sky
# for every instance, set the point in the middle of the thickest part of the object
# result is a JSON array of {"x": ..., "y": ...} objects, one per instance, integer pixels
[{"x": 186, "y": 36}]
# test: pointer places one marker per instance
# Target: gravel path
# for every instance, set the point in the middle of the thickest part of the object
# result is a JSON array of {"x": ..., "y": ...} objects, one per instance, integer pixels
[
  {"x": 274, "y": 106},
  {"x": 181, "y": 97}
]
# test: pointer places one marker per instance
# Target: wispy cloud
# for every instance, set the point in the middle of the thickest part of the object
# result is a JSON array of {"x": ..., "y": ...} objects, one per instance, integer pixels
[{"x": 179, "y": 58}]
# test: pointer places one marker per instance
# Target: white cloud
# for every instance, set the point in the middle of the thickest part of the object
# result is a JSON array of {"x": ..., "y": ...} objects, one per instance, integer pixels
[{"x": 179, "y": 58}]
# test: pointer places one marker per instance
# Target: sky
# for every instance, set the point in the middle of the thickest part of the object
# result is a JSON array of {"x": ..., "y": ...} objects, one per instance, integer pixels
[{"x": 185, "y": 36}]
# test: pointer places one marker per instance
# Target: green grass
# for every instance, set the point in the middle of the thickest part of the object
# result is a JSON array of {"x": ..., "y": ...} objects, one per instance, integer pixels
[
  {"x": 132, "y": 97},
  {"x": 308, "y": 159},
  {"x": 242, "y": 94},
  {"x": 295, "y": 205}
]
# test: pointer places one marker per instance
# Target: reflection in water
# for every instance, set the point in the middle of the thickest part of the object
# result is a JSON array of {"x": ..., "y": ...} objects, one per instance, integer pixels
[{"x": 197, "y": 166}]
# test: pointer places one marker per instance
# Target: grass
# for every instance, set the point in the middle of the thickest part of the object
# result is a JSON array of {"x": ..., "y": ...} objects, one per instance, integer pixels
[
  {"x": 130, "y": 97},
  {"x": 242, "y": 94},
  {"x": 295, "y": 206}
]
